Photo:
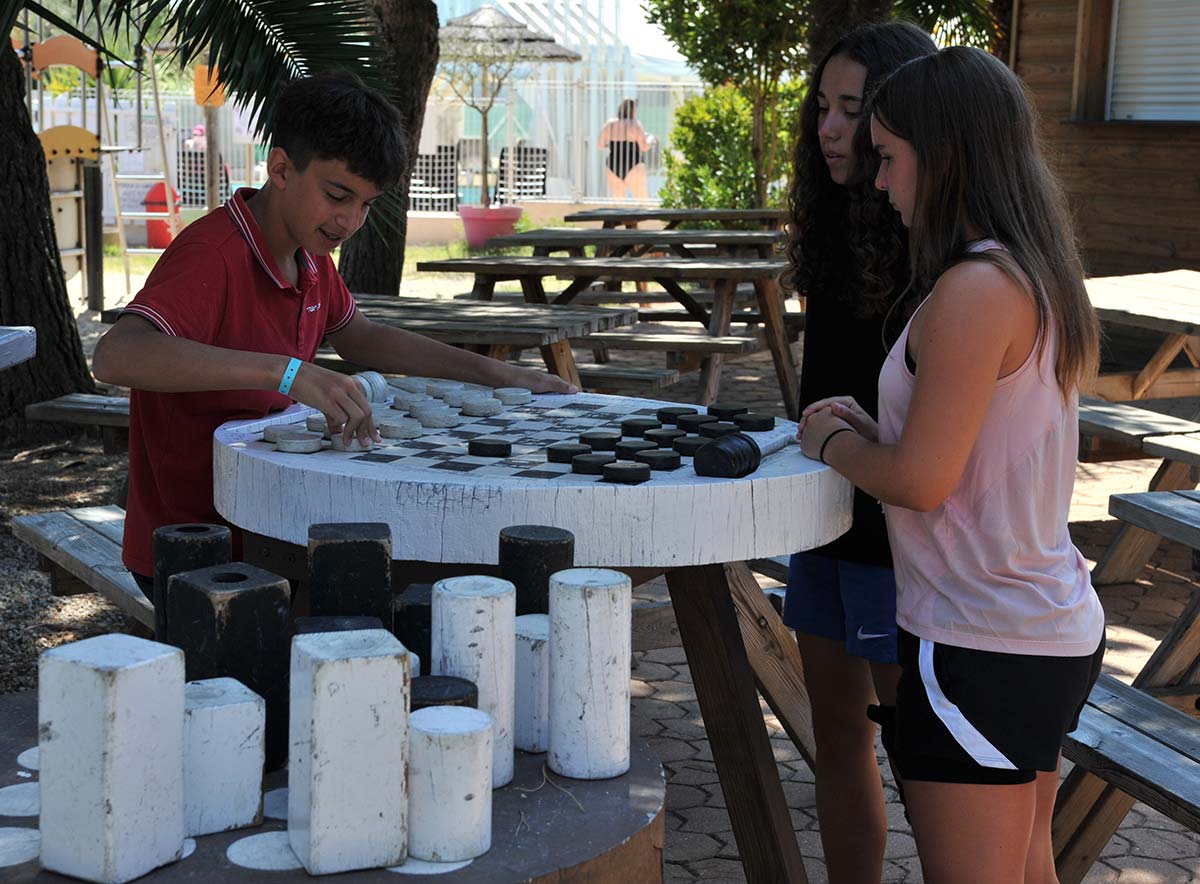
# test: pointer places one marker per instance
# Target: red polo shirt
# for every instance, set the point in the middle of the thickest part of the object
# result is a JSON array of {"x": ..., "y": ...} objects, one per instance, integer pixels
[{"x": 217, "y": 284}]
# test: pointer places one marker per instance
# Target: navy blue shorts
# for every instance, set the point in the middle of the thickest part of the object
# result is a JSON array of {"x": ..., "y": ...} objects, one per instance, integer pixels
[{"x": 844, "y": 601}]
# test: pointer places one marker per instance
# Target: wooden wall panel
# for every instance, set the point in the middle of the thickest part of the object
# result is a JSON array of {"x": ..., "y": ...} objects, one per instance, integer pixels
[{"x": 1134, "y": 188}]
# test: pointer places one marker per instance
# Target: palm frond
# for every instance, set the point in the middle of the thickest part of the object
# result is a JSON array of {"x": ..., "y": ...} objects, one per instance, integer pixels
[
  {"x": 259, "y": 45},
  {"x": 953, "y": 22}
]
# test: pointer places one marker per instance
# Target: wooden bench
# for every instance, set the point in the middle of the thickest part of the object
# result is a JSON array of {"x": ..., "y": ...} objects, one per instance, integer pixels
[
  {"x": 109, "y": 413},
  {"x": 1116, "y": 431},
  {"x": 81, "y": 549},
  {"x": 1134, "y": 748}
]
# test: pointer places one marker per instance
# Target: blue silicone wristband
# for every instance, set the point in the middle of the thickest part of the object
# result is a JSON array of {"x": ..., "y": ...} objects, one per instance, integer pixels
[{"x": 289, "y": 375}]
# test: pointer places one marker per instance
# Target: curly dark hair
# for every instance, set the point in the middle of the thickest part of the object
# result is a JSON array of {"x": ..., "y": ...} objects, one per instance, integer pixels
[
  {"x": 847, "y": 241},
  {"x": 335, "y": 116}
]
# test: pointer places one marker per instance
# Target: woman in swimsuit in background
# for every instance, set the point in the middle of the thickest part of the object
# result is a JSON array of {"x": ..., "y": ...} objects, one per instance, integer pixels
[{"x": 626, "y": 141}]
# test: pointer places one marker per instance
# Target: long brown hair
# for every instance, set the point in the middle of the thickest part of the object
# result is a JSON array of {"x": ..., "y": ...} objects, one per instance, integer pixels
[
  {"x": 980, "y": 165},
  {"x": 846, "y": 242}
]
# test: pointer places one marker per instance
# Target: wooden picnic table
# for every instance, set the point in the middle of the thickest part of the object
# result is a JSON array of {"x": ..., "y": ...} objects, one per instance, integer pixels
[
  {"x": 614, "y": 242},
  {"x": 669, "y": 273},
  {"x": 494, "y": 329},
  {"x": 699, "y": 531},
  {"x": 1167, "y": 303},
  {"x": 675, "y": 217}
]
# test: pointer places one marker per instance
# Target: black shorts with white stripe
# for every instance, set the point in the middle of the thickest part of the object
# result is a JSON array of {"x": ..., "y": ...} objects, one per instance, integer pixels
[{"x": 966, "y": 716}]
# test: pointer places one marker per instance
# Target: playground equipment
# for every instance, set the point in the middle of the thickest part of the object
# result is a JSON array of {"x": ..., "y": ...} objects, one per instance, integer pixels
[{"x": 73, "y": 154}]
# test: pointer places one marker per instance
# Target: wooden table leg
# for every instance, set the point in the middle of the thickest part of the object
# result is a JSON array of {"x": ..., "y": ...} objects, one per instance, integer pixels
[
  {"x": 718, "y": 324},
  {"x": 485, "y": 287},
  {"x": 733, "y": 722},
  {"x": 560, "y": 360},
  {"x": 775, "y": 658},
  {"x": 1131, "y": 549},
  {"x": 770, "y": 305}
]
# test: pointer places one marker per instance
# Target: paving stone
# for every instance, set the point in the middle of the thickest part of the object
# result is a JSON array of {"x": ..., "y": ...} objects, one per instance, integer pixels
[
  {"x": 1161, "y": 844},
  {"x": 639, "y": 689},
  {"x": 659, "y": 710},
  {"x": 800, "y": 795},
  {"x": 648, "y": 670},
  {"x": 672, "y": 750},
  {"x": 1145, "y": 870},
  {"x": 693, "y": 773},
  {"x": 677, "y": 692},
  {"x": 893, "y": 873},
  {"x": 703, "y": 750},
  {"x": 684, "y": 729},
  {"x": 709, "y": 820},
  {"x": 668, "y": 656},
  {"x": 644, "y": 727},
  {"x": 682, "y": 797},
  {"x": 690, "y": 846},
  {"x": 900, "y": 845},
  {"x": 676, "y": 873},
  {"x": 719, "y": 870}
]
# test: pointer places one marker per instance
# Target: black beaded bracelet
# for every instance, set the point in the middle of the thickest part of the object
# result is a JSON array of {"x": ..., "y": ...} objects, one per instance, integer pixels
[{"x": 821, "y": 453}]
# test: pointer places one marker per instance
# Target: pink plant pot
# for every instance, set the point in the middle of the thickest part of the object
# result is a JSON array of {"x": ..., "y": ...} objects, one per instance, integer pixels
[{"x": 481, "y": 223}]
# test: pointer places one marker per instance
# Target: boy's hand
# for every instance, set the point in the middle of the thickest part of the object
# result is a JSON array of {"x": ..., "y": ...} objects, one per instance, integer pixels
[
  {"x": 340, "y": 398},
  {"x": 541, "y": 382}
]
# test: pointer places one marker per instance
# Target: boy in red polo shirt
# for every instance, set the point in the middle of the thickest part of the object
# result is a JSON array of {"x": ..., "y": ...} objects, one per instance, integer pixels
[{"x": 233, "y": 313}]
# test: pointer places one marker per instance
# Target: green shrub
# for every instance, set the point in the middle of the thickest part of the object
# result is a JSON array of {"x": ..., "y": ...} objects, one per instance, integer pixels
[{"x": 709, "y": 162}]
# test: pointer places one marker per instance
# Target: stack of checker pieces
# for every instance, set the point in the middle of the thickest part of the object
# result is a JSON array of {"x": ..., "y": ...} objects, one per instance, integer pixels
[{"x": 645, "y": 445}]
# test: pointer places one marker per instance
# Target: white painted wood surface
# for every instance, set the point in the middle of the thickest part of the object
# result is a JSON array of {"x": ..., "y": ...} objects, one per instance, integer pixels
[
  {"x": 473, "y": 637},
  {"x": 110, "y": 741},
  {"x": 348, "y": 732},
  {"x": 531, "y": 720},
  {"x": 590, "y": 648},
  {"x": 449, "y": 783},
  {"x": 223, "y": 754},
  {"x": 790, "y": 503},
  {"x": 17, "y": 344}
]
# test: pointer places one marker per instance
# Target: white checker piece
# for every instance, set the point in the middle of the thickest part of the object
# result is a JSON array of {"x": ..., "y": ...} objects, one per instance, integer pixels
[{"x": 549, "y": 418}]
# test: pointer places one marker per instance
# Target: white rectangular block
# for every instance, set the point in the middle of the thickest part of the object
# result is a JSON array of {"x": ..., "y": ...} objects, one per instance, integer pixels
[
  {"x": 224, "y": 749},
  {"x": 110, "y": 741},
  {"x": 348, "y": 737}
]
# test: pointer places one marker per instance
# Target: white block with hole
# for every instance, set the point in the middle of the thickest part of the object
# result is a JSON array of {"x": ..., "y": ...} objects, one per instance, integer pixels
[
  {"x": 348, "y": 736},
  {"x": 110, "y": 741},
  {"x": 449, "y": 783},
  {"x": 589, "y": 673},
  {"x": 223, "y": 756},
  {"x": 531, "y": 717},
  {"x": 473, "y": 637}
]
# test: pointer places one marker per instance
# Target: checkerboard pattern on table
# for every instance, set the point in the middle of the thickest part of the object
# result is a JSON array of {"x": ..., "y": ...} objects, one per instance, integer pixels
[{"x": 530, "y": 428}]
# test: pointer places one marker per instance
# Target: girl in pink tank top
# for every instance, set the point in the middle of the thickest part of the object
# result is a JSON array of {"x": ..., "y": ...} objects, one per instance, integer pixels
[{"x": 973, "y": 458}]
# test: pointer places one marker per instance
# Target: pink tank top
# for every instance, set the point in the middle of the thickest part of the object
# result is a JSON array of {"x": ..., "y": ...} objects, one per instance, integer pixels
[{"x": 993, "y": 567}]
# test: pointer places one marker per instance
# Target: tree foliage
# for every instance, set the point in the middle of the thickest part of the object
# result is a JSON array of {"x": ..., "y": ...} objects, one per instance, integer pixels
[
  {"x": 751, "y": 44},
  {"x": 710, "y": 163}
]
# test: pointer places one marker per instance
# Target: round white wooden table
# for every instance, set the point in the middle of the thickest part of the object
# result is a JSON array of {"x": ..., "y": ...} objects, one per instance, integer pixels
[{"x": 699, "y": 531}]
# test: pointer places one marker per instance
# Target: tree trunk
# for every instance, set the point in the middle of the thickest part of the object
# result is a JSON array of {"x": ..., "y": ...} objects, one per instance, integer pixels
[
  {"x": 373, "y": 261},
  {"x": 758, "y": 113},
  {"x": 32, "y": 290},
  {"x": 830, "y": 19}
]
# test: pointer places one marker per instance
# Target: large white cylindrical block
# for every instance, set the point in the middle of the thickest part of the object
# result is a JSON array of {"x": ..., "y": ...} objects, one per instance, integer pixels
[
  {"x": 449, "y": 783},
  {"x": 589, "y": 673},
  {"x": 473, "y": 636},
  {"x": 531, "y": 723},
  {"x": 110, "y": 740}
]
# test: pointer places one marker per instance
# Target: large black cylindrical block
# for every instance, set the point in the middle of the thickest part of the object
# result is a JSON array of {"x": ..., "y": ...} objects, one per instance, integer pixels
[
  {"x": 184, "y": 547},
  {"x": 442, "y": 690},
  {"x": 231, "y": 620},
  {"x": 529, "y": 554},
  {"x": 351, "y": 568},
  {"x": 412, "y": 621}
]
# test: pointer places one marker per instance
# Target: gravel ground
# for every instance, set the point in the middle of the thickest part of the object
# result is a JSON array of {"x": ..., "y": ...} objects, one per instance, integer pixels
[{"x": 37, "y": 477}]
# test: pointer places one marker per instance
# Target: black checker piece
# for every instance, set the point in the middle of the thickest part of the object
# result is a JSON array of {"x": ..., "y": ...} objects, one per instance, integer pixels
[
  {"x": 659, "y": 458},
  {"x": 672, "y": 414},
  {"x": 591, "y": 464},
  {"x": 725, "y": 410},
  {"x": 755, "y": 422},
  {"x": 627, "y": 448},
  {"x": 718, "y": 428},
  {"x": 664, "y": 437},
  {"x": 637, "y": 426},
  {"x": 563, "y": 452},
  {"x": 689, "y": 445},
  {"x": 489, "y": 446},
  {"x": 600, "y": 440},
  {"x": 691, "y": 423},
  {"x": 626, "y": 473}
]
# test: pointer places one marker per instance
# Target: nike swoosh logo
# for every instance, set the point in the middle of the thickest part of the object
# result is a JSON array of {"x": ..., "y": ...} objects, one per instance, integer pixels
[{"x": 862, "y": 636}]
